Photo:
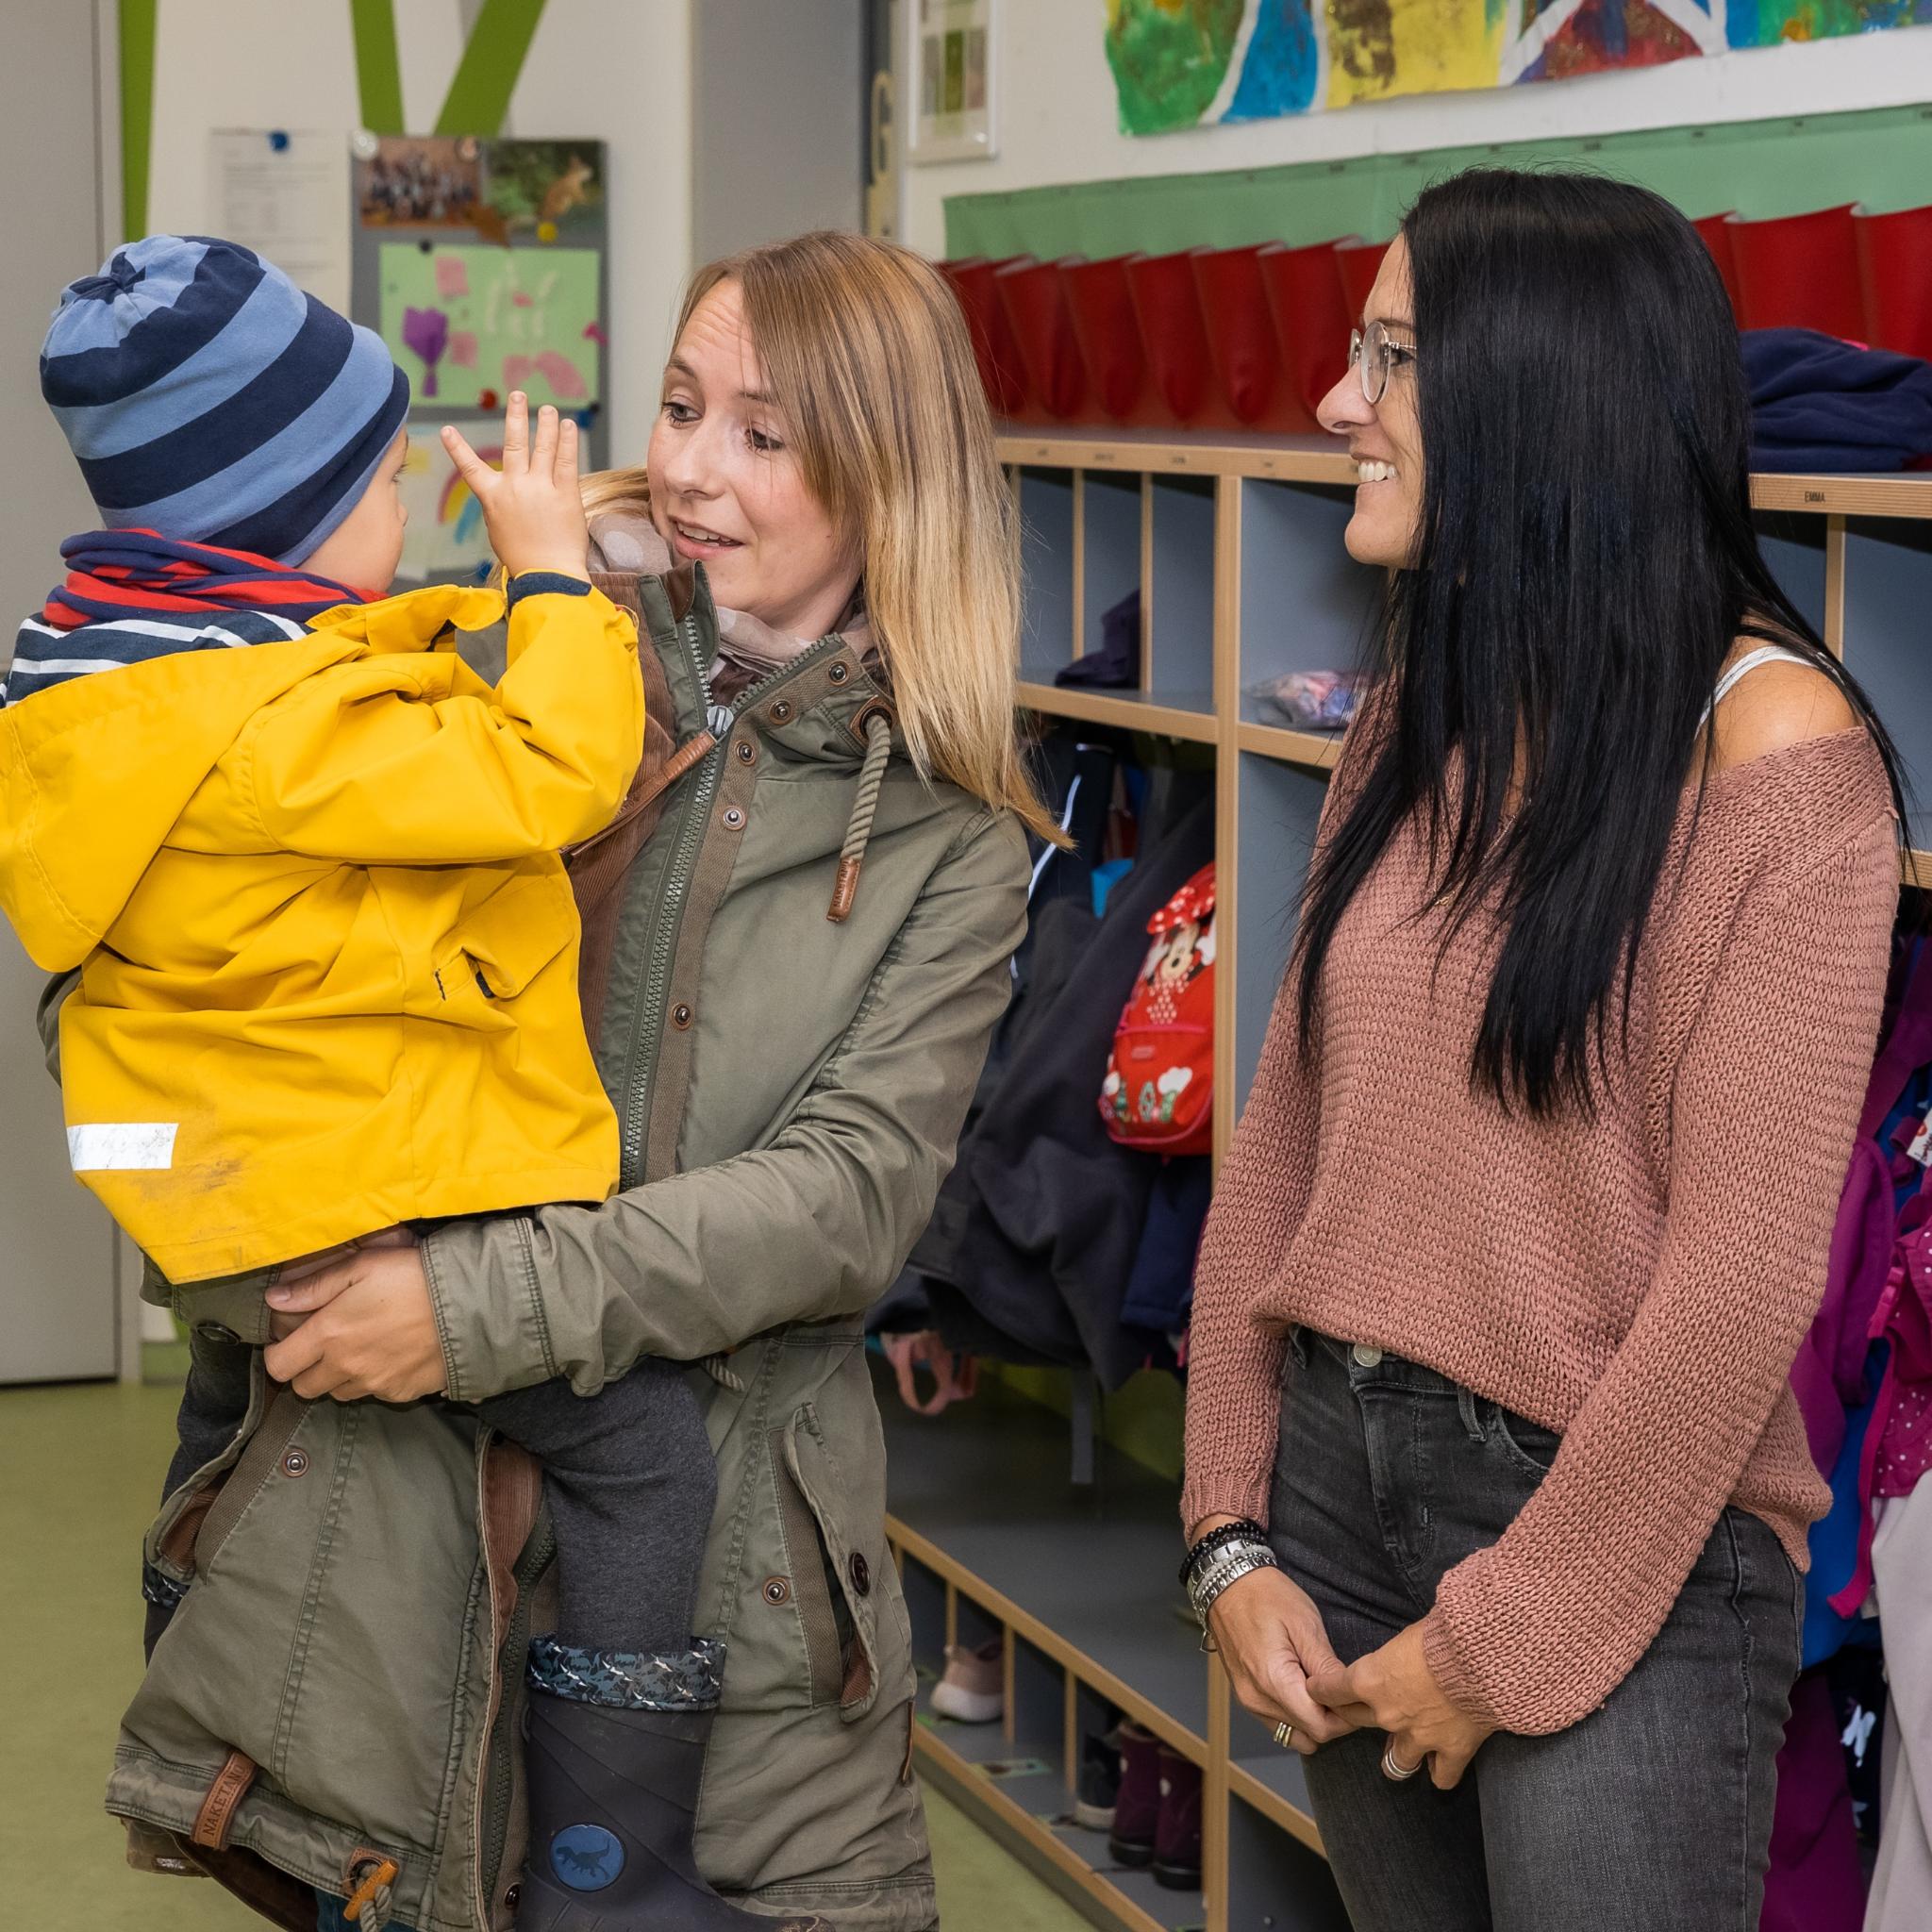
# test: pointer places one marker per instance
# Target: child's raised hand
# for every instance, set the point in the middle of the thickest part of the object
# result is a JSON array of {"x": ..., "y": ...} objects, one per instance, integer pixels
[{"x": 531, "y": 506}]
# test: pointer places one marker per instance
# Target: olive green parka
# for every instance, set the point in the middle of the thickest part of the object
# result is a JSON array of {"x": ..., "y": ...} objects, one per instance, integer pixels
[{"x": 339, "y": 1690}]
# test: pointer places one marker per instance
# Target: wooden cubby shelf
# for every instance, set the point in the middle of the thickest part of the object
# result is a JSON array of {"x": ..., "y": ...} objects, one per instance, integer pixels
[
  {"x": 1131, "y": 711},
  {"x": 1234, "y": 545}
]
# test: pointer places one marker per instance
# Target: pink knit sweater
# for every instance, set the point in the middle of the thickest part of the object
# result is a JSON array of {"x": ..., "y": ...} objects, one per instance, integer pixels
[{"x": 1639, "y": 1282}]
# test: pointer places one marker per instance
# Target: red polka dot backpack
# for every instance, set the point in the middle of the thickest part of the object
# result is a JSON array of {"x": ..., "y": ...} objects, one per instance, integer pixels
[{"x": 1158, "y": 1094}]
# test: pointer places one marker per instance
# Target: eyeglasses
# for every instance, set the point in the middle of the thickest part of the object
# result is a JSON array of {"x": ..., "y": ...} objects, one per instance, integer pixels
[{"x": 1375, "y": 354}]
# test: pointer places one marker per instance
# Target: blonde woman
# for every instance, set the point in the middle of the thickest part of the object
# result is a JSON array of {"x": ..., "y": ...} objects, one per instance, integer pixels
[{"x": 796, "y": 939}]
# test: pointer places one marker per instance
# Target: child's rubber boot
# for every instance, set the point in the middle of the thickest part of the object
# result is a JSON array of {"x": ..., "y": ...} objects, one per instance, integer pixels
[{"x": 614, "y": 1748}]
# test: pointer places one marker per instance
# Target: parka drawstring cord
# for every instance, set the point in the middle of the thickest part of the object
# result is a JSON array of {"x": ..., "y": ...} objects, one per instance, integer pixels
[
  {"x": 872, "y": 775},
  {"x": 367, "y": 1907}
]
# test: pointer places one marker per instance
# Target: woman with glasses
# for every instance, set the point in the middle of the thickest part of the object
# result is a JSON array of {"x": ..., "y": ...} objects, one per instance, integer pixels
[{"x": 1497, "y": 1494}]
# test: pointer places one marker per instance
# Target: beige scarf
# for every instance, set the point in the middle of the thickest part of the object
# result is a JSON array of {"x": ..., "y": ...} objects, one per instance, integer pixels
[{"x": 749, "y": 650}]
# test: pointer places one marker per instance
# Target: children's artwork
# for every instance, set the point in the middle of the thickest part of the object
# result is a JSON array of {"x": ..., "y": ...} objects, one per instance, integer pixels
[
  {"x": 462, "y": 320},
  {"x": 1186, "y": 63},
  {"x": 953, "y": 48},
  {"x": 545, "y": 188},
  {"x": 411, "y": 182},
  {"x": 445, "y": 538}
]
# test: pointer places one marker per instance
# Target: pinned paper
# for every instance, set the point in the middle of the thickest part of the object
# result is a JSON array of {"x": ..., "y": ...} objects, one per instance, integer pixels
[
  {"x": 280, "y": 193},
  {"x": 462, "y": 320},
  {"x": 444, "y": 539}
]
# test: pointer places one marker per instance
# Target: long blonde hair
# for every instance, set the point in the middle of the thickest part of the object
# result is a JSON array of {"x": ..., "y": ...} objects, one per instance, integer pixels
[{"x": 865, "y": 347}]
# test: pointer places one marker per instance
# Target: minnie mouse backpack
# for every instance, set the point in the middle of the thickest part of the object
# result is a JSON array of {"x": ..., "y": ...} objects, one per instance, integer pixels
[{"x": 1158, "y": 1094}]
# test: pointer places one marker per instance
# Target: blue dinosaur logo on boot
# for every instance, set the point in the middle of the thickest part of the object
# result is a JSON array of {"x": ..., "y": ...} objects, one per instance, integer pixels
[{"x": 585, "y": 1856}]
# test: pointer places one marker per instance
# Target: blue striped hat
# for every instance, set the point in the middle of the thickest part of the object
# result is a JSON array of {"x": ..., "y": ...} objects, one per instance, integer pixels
[{"x": 207, "y": 397}]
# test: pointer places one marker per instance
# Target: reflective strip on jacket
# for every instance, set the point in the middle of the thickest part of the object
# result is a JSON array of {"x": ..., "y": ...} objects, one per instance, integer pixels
[{"x": 328, "y": 950}]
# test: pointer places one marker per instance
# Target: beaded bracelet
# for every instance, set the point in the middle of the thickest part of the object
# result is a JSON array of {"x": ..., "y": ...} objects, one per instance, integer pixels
[{"x": 1242, "y": 1530}]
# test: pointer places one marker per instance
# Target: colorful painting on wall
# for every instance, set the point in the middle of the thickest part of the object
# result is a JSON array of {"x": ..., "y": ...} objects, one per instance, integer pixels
[
  {"x": 445, "y": 538},
  {"x": 1189, "y": 63},
  {"x": 468, "y": 324}
]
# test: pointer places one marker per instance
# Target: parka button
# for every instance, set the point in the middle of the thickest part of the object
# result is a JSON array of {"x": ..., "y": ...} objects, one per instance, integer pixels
[
  {"x": 512, "y": 1898},
  {"x": 215, "y": 1331},
  {"x": 781, "y": 711},
  {"x": 680, "y": 1016},
  {"x": 295, "y": 1462},
  {"x": 777, "y": 1590},
  {"x": 861, "y": 1574},
  {"x": 745, "y": 754},
  {"x": 839, "y": 673},
  {"x": 733, "y": 819}
]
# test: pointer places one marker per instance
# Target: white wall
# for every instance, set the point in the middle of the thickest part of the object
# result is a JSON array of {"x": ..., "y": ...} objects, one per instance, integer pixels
[
  {"x": 1059, "y": 121},
  {"x": 617, "y": 69},
  {"x": 621, "y": 70},
  {"x": 775, "y": 138},
  {"x": 59, "y": 1314}
]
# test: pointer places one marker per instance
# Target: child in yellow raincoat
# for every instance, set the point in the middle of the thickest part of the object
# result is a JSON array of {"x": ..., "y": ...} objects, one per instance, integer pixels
[{"x": 307, "y": 863}]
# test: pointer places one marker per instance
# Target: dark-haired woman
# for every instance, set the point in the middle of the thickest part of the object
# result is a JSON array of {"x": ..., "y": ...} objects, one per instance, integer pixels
[{"x": 1493, "y": 1471}]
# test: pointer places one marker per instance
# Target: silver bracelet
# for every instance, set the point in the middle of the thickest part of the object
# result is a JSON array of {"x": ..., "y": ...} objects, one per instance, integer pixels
[
  {"x": 1246, "y": 1548},
  {"x": 1212, "y": 1588},
  {"x": 1230, "y": 1566}
]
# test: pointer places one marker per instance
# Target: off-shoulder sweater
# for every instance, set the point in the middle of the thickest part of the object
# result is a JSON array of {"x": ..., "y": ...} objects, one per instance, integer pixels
[{"x": 1639, "y": 1281}]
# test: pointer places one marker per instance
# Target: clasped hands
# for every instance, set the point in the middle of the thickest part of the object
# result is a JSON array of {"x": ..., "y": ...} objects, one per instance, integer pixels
[{"x": 1283, "y": 1668}]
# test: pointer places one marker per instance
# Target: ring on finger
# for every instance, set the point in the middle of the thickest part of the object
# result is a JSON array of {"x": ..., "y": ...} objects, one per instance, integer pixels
[
  {"x": 1284, "y": 1736},
  {"x": 1394, "y": 1768}
]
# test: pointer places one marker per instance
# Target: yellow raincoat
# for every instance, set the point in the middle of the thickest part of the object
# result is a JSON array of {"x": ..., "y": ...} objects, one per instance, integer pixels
[{"x": 328, "y": 951}]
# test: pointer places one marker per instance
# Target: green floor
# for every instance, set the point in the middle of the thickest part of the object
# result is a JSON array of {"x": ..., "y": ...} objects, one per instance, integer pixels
[{"x": 81, "y": 1465}]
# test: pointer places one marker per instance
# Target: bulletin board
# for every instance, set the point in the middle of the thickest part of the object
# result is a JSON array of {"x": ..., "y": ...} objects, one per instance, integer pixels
[{"x": 483, "y": 266}]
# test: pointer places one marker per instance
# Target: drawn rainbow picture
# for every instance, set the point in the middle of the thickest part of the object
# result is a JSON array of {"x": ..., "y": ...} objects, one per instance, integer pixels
[
  {"x": 457, "y": 507},
  {"x": 444, "y": 539}
]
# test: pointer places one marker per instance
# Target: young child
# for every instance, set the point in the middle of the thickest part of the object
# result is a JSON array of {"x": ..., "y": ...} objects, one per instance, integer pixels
[{"x": 308, "y": 866}]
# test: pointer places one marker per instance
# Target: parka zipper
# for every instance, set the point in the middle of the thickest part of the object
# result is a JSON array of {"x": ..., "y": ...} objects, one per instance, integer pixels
[
  {"x": 650, "y": 1012},
  {"x": 640, "y": 1079},
  {"x": 497, "y": 1746}
]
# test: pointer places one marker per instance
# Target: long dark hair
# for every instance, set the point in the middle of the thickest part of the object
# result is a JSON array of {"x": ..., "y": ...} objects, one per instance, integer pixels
[{"x": 1587, "y": 561}]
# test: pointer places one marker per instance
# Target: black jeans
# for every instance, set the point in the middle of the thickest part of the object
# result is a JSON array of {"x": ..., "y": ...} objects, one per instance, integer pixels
[{"x": 1652, "y": 1814}]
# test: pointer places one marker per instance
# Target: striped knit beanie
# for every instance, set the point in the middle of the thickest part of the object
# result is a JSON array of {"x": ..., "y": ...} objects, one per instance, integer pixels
[{"x": 208, "y": 398}]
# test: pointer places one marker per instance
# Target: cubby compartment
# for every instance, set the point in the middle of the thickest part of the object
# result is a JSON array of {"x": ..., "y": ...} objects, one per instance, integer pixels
[
  {"x": 1038, "y": 1708},
  {"x": 1047, "y": 569},
  {"x": 1887, "y": 604},
  {"x": 1111, "y": 518},
  {"x": 925, "y": 1590},
  {"x": 1086, "y": 1573},
  {"x": 971, "y": 1626},
  {"x": 1181, "y": 627},
  {"x": 1030, "y": 1781},
  {"x": 1274, "y": 1882},
  {"x": 1794, "y": 547},
  {"x": 1159, "y": 1907},
  {"x": 1305, "y": 604},
  {"x": 1277, "y": 808},
  {"x": 1088, "y": 1715}
]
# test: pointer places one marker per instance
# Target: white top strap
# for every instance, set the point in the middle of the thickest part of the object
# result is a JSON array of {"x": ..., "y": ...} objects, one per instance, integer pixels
[{"x": 1750, "y": 661}]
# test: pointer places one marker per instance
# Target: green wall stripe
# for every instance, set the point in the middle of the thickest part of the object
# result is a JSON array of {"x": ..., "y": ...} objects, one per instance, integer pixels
[
  {"x": 485, "y": 76},
  {"x": 1882, "y": 157},
  {"x": 378, "y": 65},
  {"x": 137, "y": 24}
]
